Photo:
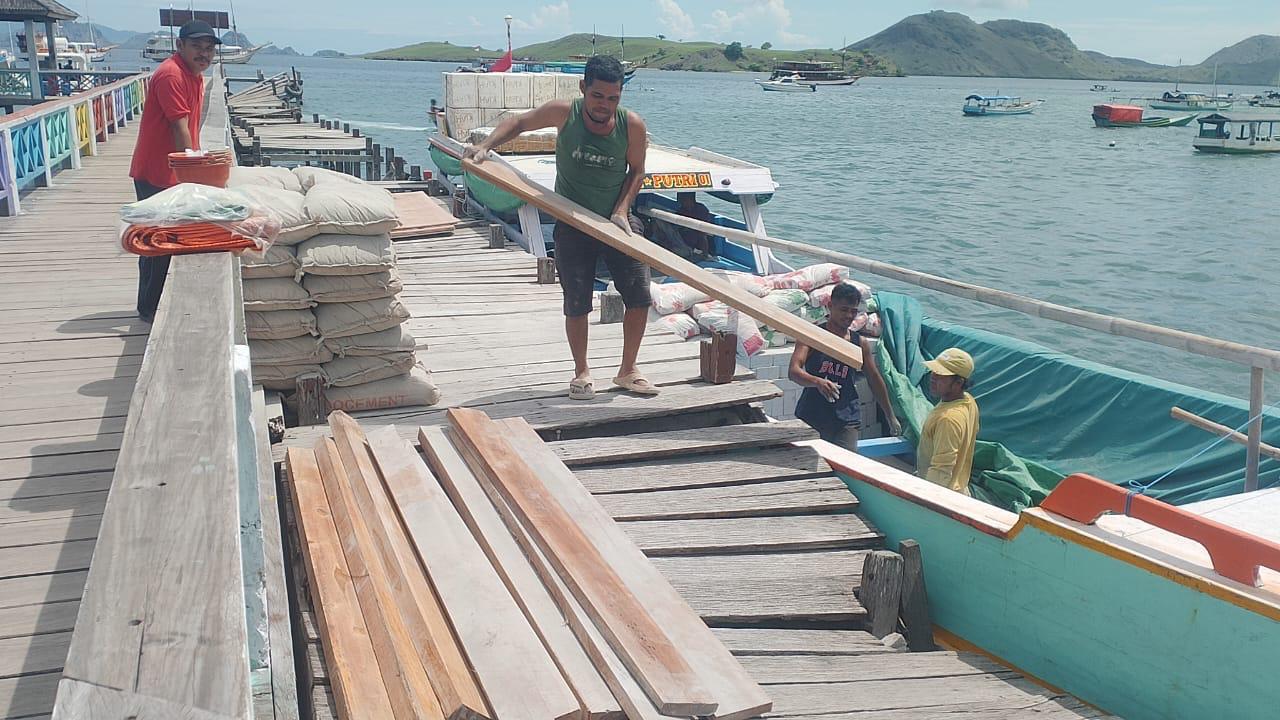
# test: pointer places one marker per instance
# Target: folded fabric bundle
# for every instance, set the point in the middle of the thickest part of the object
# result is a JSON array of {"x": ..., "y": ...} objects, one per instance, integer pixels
[
  {"x": 188, "y": 203},
  {"x": 183, "y": 240}
]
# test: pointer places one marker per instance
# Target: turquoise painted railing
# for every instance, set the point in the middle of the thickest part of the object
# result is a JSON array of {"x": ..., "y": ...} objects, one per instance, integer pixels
[
  {"x": 58, "y": 83},
  {"x": 42, "y": 140}
]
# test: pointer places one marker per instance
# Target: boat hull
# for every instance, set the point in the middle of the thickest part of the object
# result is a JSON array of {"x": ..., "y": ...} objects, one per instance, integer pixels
[
  {"x": 796, "y": 88},
  {"x": 1103, "y": 122},
  {"x": 1219, "y": 147},
  {"x": 981, "y": 112},
  {"x": 831, "y": 83},
  {"x": 1183, "y": 107}
]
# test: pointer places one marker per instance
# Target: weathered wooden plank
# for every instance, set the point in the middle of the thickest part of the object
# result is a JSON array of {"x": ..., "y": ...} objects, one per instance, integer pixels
[
  {"x": 45, "y": 447},
  {"x": 518, "y": 574},
  {"x": 1003, "y": 691},
  {"x": 40, "y": 589},
  {"x": 26, "y": 488},
  {"x": 357, "y": 686},
  {"x": 881, "y": 590},
  {"x": 93, "y": 702},
  {"x": 1050, "y": 708},
  {"x": 41, "y": 559},
  {"x": 780, "y": 497},
  {"x": 437, "y": 650},
  {"x": 776, "y": 642},
  {"x": 742, "y": 467},
  {"x": 648, "y": 446},
  {"x": 47, "y": 465},
  {"x": 914, "y": 609},
  {"x": 56, "y": 506},
  {"x": 791, "y": 669},
  {"x": 38, "y": 619},
  {"x": 752, "y": 535},
  {"x": 738, "y": 696},
  {"x": 27, "y": 696},
  {"x": 402, "y": 673},
  {"x": 514, "y": 669},
  {"x": 29, "y": 655},
  {"x": 68, "y": 432},
  {"x": 29, "y": 533},
  {"x": 161, "y": 524},
  {"x": 588, "y": 568}
]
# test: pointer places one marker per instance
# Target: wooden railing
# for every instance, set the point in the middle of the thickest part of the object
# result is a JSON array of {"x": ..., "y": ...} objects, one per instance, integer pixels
[{"x": 40, "y": 141}]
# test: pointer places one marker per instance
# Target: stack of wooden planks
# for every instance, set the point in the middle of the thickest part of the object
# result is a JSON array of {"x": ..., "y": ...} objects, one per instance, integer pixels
[
  {"x": 421, "y": 216},
  {"x": 486, "y": 582}
]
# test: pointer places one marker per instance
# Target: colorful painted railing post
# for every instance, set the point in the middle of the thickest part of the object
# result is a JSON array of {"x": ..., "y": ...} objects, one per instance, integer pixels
[
  {"x": 86, "y": 140},
  {"x": 8, "y": 173}
]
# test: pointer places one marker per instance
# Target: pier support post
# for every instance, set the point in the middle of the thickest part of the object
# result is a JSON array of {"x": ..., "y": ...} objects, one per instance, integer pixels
[
  {"x": 546, "y": 271},
  {"x": 611, "y": 307},
  {"x": 717, "y": 358},
  {"x": 497, "y": 238},
  {"x": 881, "y": 591},
  {"x": 311, "y": 402}
]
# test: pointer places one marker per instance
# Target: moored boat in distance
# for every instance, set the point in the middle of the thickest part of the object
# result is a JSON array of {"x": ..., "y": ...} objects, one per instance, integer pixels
[
  {"x": 813, "y": 73},
  {"x": 1178, "y": 100},
  {"x": 1220, "y": 134},
  {"x": 1109, "y": 115},
  {"x": 160, "y": 47},
  {"x": 791, "y": 83},
  {"x": 999, "y": 105}
]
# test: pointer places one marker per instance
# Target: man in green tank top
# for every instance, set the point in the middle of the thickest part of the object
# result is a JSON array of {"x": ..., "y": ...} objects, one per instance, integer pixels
[{"x": 600, "y": 149}]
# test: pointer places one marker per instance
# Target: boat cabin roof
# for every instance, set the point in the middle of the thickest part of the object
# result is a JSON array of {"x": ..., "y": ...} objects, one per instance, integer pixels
[
  {"x": 1218, "y": 119},
  {"x": 993, "y": 97}
]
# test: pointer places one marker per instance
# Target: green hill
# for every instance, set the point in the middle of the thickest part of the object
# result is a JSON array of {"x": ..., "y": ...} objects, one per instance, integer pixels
[
  {"x": 648, "y": 52},
  {"x": 946, "y": 43}
]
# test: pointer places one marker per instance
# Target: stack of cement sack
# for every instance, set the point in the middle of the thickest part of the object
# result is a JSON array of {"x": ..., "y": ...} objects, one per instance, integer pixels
[
  {"x": 688, "y": 312},
  {"x": 323, "y": 300}
]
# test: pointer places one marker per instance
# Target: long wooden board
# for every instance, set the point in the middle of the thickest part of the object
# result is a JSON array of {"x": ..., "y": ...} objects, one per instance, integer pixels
[
  {"x": 520, "y": 577},
  {"x": 739, "y": 697},
  {"x": 774, "y": 498},
  {"x": 710, "y": 536},
  {"x": 507, "y": 178},
  {"x": 736, "y": 468},
  {"x": 455, "y": 687},
  {"x": 514, "y": 669},
  {"x": 650, "y": 446},
  {"x": 357, "y": 687},
  {"x": 641, "y": 642}
]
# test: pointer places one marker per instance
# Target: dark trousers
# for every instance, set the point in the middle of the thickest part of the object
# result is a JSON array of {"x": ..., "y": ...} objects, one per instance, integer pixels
[{"x": 151, "y": 270}]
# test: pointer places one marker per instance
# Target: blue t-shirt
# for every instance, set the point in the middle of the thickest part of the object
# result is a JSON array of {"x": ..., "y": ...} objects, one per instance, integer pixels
[{"x": 816, "y": 410}]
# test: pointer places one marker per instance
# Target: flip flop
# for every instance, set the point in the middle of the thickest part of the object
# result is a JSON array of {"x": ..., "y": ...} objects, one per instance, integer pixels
[
  {"x": 581, "y": 389},
  {"x": 636, "y": 383}
]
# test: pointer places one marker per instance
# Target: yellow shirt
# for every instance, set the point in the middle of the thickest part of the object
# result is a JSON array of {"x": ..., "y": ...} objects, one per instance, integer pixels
[{"x": 945, "y": 452}]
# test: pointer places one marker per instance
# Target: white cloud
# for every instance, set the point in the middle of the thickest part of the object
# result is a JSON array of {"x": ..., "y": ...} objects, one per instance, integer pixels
[
  {"x": 765, "y": 19},
  {"x": 992, "y": 4},
  {"x": 675, "y": 20},
  {"x": 548, "y": 17}
]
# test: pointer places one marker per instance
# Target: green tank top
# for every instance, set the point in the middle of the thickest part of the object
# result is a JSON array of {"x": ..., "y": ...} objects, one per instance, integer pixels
[{"x": 590, "y": 168}]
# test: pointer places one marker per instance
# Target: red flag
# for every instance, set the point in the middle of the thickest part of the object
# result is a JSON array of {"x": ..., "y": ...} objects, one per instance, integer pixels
[{"x": 502, "y": 65}]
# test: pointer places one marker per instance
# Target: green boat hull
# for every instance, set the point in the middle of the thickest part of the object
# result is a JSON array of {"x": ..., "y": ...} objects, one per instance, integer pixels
[
  {"x": 498, "y": 200},
  {"x": 447, "y": 164}
]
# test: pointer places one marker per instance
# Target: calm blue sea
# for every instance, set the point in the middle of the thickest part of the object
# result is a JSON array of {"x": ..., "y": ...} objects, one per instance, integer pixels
[{"x": 1042, "y": 205}]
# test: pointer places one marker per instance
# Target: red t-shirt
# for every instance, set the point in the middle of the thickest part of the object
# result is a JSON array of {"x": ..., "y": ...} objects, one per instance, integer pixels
[{"x": 173, "y": 92}]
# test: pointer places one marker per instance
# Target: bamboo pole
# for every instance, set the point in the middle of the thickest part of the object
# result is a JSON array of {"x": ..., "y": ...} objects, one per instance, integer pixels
[
  {"x": 1191, "y": 418},
  {"x": 1255, "y": 430},
  {"x": 1255, "y": 357}
]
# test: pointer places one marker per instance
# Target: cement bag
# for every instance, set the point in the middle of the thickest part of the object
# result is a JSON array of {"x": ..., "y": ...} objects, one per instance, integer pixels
[
  {"x": 352, "y": 209},
  {"x": 283, "y": 377},
  {"x": 415, "y": 388},
  {"x": 336, "y": 254},
  {"x": 309, "y": 177},
  {"x": 278, "y": 261},
  {"x": 679, "y": 324},
  {"x": 788, "y": 300},
  {"x": 396, "y": 339},
  {"x": 810, "y": 278},
  {"x": 753, "y": 284},
  {"x": 352, "y": 288},
  {"x": 775, "y": 338},
  {"x": 349, "y": 371},
  {"x": 815, "y": 315},
  {"x": 280, "y": 324},
  {"x": 342, "y": 319},
  {"x": 286, "y": 206},
  {"x": 675, "y": 297},
  {"x": 821, "y": 297},
  {"x": 272, "y": 177},
  {"x": 304, "y": 350},
  {"x": 275, "y": 294},
  {"x": 874, "y": 326},
  {"x": 715, "y": 316}
]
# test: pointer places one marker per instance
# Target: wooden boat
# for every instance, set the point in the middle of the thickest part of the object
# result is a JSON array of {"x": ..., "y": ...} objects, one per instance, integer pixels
[
  {"x": 978, "y": 105},
  {"x": 1178, "y": 100},
  {"x": 813, "y": 73},
  {"x": 1130, "y": 116},
  {"x": 790, "y": 83},
  {"x": 1220, "y": 134}
]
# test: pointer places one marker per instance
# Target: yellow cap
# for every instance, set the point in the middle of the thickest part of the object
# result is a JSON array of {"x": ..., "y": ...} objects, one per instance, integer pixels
[{"x": 952, "y": 361}]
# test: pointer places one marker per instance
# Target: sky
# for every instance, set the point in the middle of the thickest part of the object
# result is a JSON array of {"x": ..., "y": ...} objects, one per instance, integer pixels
[{"x": 1152, "y": 30}]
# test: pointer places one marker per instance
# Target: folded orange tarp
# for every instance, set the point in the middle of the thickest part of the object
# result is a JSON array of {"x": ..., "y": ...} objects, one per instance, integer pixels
[{"x": 183, "y": 239}]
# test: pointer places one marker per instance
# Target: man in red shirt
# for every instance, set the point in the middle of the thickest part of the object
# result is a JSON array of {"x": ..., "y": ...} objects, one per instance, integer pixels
[{"x": 170, "y": 123}]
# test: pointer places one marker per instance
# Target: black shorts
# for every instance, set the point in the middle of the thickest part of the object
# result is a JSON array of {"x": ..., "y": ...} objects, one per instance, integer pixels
[{"x": 577, "y": 254}]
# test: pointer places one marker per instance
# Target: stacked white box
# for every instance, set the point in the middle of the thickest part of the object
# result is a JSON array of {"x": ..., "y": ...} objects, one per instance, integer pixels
[
  {"x": 517, "y": 91},
  {"x": 544, "y": 88},
  {"x": 460, "y": 90},
  {"x": 567, "y": 86},
  {"x": 461, "y": 122},
  {"x": 489, "y": 90}
]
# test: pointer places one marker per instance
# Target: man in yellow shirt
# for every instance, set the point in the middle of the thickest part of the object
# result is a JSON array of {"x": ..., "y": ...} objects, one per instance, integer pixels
[{"x": 944, "y": 454}]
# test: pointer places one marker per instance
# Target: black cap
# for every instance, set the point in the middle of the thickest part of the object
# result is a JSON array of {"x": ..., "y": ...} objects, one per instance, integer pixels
[{"x": 198, "y": 29}]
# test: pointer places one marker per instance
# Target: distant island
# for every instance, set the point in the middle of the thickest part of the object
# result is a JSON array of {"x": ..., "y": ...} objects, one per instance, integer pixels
[
  {"x": 328, "y": 54},
  {"x": 947, "y": 43},
  {"x": 647, "y": 52}
]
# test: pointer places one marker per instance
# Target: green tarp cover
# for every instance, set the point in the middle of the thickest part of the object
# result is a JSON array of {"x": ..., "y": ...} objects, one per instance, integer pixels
[{"x": 1045, "y": 414}]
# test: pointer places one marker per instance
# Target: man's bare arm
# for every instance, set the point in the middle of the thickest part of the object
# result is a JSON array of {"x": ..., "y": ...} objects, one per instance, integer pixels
[
  {"x": 550, "y": 114},
  {"x": 181, "y": 134},
  {"x": 637, "y": 148}
]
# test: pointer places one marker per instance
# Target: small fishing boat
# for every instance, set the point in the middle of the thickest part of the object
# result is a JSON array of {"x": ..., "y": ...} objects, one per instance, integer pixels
[
  {"x": 999, "y": 105},
  {"x": 790, "y": 83},
  {"x": 1102, "y": 88},
  {"x": 1109, "y": 115},
  {"x": 1225, "y": 135},
  {"x": 1178, "y": 100},
  {"x": 813, "y": 73}
]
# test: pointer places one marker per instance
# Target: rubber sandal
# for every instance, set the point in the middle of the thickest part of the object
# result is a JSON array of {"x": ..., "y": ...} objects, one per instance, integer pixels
[
  {"x": 580, "y": 389},
  {"x": 636, "y": 383}
]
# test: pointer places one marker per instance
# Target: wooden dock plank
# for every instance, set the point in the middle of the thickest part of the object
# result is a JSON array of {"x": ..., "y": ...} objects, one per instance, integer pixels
[
  {"x": 651, "y": 446},
  {"x": 38, "y": 619},
  {"x": 719, "y": 536},
  {"x": 737, "y": 468},
  {"x": 777, "y": 642},
  {"x": 770, "y": 498},
  {"x": 31, "y": 655}
]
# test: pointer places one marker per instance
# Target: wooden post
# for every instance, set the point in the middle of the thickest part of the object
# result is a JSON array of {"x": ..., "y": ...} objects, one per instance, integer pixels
[
  {"x": 33, "y": 62},
  {"x": 311, "y": 402},
  {"x": 415, "y": 173},
  {"x": 388, "y": 162},
  {"x": 611, "y": 307},
  {"x": 881, "y": 591},
  {"x": 546, "y": 271},
  {"x": 369, "y": 164},
  {"x": 257, "y": 150},
  {"x": 458, "y": 206},
  {"x": 400, "y": 168},
  {"x": 346, "y": 128},
  {"x": 375, "y": 166},
  {"x": 717, "y": 358},
  {"x": 315, "y": 118},
  {"x": 914, "y": 607},
  {"x": 497, "y": 237},
  {"x": 1255, "y": 430}
]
